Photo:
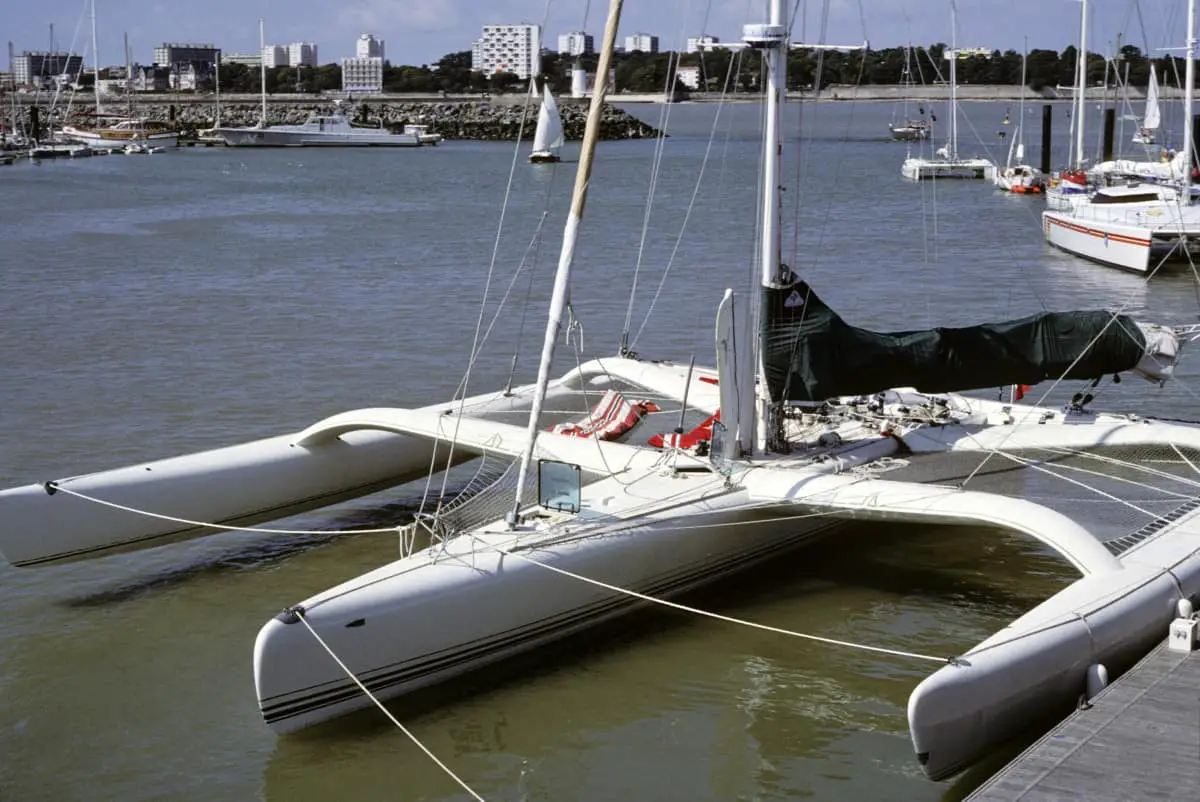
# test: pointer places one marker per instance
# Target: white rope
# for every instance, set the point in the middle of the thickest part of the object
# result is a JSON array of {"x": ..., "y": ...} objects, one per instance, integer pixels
[
  {"x": 719, "y": 617},
  {"x": 225, "y": 527},
  {"x": 449, "y": 772}
]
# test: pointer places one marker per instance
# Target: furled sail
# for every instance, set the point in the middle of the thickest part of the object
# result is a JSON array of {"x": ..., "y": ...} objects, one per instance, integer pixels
[
  {"x": 811, "y": 355},
  {"x": 549, "y": 133}
]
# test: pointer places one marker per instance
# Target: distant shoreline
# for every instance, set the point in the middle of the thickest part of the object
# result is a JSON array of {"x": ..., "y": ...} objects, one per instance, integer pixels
[{"x": 871, "y": 92}]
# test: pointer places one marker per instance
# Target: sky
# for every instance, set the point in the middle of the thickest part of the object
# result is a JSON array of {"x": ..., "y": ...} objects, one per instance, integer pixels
[{"x": 421, "y": 31}]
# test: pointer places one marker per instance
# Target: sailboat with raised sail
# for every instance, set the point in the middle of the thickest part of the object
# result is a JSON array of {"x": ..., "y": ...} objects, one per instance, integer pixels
[
  {"x": 946, "y": 161},
  {"x": 810, "y": 421},
  {"x": 548, "y": 136},
  {"x": 1017, "y": 176},
  {"x": 1147, "y": 133}
]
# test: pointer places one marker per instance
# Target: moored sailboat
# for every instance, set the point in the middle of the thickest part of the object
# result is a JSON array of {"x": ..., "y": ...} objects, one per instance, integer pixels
[{"x": 1147, "y": 133}]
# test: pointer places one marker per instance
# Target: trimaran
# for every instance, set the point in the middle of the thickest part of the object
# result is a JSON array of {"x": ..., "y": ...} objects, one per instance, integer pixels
[{"x": 818, "y": 424}]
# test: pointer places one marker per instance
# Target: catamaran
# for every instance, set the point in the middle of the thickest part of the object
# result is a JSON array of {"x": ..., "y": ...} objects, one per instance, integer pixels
[
  {"x": 946, "y": 161},
  {"x": 808, "y": 421}
]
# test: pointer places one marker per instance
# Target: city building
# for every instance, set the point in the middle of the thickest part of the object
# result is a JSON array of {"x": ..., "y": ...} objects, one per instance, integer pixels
[
  {"x": 274, "y": 56},
  {"x": 641, "y": 42},
  {"x": 576, "y": 43},
  {"x": 45, "y": 67},
  {"x": 152, "y": 78},
  {"x": 362, "y": 74},
  {"x": 703, "y": 42},
  {"x": 509, "y": 48},
  {"x": 369, "y": 47},
  {"x": 171, "y": 53},
  {"x": 304, "y": 54},
  {"x": 246, "y": 59},
  {"x": 190, "y": 75}
]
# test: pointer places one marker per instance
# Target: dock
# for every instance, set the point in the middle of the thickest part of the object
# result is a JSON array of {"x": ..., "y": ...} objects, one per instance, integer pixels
[{"x": 1139, "y": 738}]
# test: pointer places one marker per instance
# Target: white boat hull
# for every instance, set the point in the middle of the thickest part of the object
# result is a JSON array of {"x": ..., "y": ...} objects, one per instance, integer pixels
[
  {"x": 1126, "y": 247},
  {"x": 276, "y": 138},
  {"x": 426, "y": 619},
  {"x": 964, "y": 169}
]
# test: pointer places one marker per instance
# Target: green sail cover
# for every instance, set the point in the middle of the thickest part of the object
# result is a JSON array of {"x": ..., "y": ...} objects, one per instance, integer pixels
[{"x": 811, "y": 355}]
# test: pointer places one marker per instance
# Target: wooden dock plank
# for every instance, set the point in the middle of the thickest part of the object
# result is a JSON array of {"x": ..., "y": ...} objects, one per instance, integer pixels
[{"x": 1139, "y": 739}]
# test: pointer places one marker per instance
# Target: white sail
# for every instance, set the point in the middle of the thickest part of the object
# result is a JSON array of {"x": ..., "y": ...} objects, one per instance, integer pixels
[
  {"x": 1150, "y": 123},
  {"x": 549, "y": 133}
]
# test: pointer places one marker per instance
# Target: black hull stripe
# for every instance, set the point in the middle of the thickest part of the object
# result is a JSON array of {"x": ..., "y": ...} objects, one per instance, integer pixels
[{"x": 385, "y": 677}]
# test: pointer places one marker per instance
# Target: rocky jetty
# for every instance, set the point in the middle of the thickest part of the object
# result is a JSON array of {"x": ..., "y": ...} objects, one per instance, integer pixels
[{"x": 482, "y": 120}]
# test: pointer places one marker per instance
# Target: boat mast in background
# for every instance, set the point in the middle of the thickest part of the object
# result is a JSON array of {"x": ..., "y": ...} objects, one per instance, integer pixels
[
  {"x": 262, "y": 73},
  {"x": 95, "y": 60},
  {"x": 562, "y": 277},
  {"x": 1080, "y": 84}
]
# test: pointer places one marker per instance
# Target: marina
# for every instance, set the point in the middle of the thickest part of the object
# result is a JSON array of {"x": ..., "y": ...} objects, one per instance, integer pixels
[{"x": 854, "y": 550}]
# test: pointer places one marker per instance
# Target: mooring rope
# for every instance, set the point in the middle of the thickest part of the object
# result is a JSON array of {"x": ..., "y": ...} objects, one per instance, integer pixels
[
  {"x": 56, "y": 487},
  {"x": 449, "y": 771},
  {"x": 954, "y": 661}
]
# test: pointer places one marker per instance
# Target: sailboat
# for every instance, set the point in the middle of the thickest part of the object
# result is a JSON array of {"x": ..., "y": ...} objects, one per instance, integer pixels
[
  {"x": 1017, "y": 176},
  {"x": 809, "y": 421},
  {"x": 946, "y": 162},
  {"x": 909, "y": 129},
  {"x": 1145, "y": 135},
  {"x": 548, "y": 137}
]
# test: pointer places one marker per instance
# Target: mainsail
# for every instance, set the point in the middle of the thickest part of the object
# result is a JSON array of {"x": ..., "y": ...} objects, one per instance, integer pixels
[
  {"x": 811, "y": 355},
  {"x": 549, "y": 133},
  {"x": 1151, "y": 121}
]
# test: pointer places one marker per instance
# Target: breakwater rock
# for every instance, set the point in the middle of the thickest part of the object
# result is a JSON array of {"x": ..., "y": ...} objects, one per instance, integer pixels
[{"x": 461, "y": 120}]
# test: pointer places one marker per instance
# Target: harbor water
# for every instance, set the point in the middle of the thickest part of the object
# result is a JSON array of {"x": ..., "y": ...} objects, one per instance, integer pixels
[{"x": 188, "y": 300}]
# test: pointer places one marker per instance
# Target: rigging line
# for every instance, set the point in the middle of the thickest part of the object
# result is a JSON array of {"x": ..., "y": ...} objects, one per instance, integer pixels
[
  {"x": 206, "y": 525},
  {"x": 1033, "y": 464},
  {"x": 687, "y": 213},
  {"x": 1190, "y": 464},
  {"x": 461, "y": 393},
  {"x": 718, "y": 616},
  {"x": 408, "y": 733},
  {"x": 1114, "y": 478},
  {"x": 1156, "y": 472}
]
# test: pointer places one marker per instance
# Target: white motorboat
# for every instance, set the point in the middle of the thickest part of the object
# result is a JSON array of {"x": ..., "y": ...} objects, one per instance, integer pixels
[
  {"x": 332, "y": 129},
  {"x": 801, "y": 432},
  {"x": 548, "y": 136},
  {"x": 423, "y": 134}
]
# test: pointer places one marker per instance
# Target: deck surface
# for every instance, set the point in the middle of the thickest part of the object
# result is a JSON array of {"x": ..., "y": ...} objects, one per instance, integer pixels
[{"x": 1140, "y": 739}]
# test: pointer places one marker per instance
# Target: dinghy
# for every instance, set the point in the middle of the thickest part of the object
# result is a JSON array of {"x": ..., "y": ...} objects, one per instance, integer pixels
[{"x": 808, "y": 421}]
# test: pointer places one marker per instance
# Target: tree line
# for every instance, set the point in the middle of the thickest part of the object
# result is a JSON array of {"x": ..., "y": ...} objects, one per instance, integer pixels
[{"x": 735, "y": 70}]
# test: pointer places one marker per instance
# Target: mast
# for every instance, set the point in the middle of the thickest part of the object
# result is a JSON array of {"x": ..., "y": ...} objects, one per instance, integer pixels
[
  {"x": 1189, "y": 91},
  {"x": 562, "y": 277},
  {"x": 217, "y": 89},
  {"x": 128, "y": 77},
  {"x": 1021, "y": 107},
  {"x": 262, "y": 73},
  {"x": 96, "y": 58},
  {"x": 771, "y": 39},
  {"x": 1080, "y": 85},
  {"x": 953, "y": 81}
]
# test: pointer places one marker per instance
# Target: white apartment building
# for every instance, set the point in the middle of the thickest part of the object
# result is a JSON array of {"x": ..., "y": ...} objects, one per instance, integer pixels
[
  {"x": 369, "y": 47},
  {"x": 703, "y": 42},
  {"x": 245, "y": 59},
  {"x": 302, "y": 54},
  {"x": 362, "y": 74},
  {"x": 274, "y": 56},
  {"x": 641, "y": 42},
  {"x": 576, "y": 43},
  {"x": 509, "y": 48}
]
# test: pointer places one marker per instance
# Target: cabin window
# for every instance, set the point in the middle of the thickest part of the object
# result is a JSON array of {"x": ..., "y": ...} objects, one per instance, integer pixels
[
  {"x": 559, "y": 485},
  {"x": 716, "y": 455},
  {"x": 1141, "y": 197}
]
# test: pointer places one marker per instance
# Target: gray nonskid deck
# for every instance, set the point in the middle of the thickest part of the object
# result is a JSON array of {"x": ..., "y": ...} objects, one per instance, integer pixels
[{"x": 1140, "y": 739}]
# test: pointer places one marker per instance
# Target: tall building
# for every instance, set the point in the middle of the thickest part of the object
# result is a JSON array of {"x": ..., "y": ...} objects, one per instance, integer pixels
[
  {"x": 41, "y": 67},
  {"x": 576, "y": 43},
  {"x": 274, "y": 56},
  {"x": 641, "y": 42},
  {"x": 369, "y": 47},
  {"x": 171, "y": 53},
  {"x": 246, "y": 59},
  {"x": 302, "y": 54},
  {"x": 362, "y": 74},
  {"x": 509, "y": 48},
  {"x": 703, "y": 42}
]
